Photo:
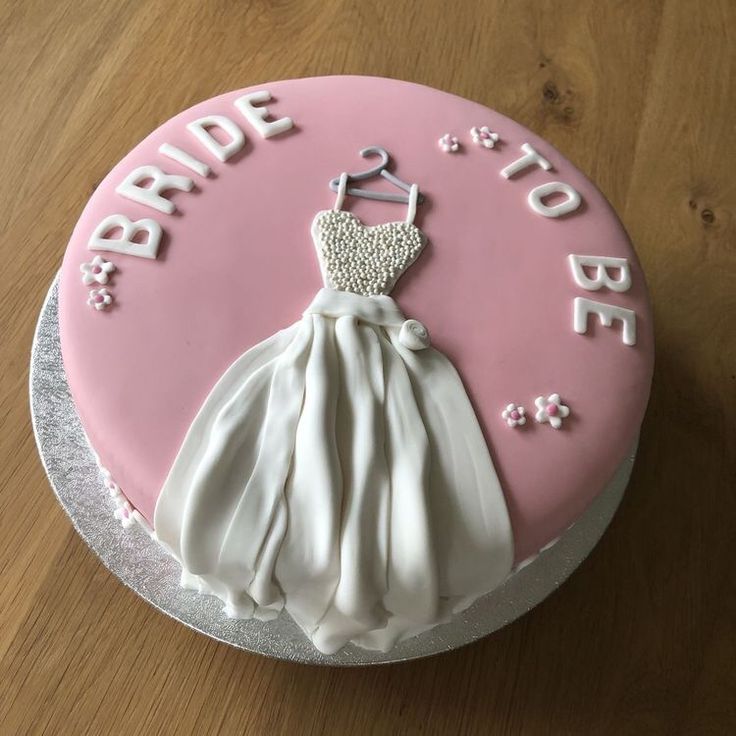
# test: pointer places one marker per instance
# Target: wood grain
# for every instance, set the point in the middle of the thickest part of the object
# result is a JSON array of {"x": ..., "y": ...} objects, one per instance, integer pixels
[{"x": 642, "y": 97}]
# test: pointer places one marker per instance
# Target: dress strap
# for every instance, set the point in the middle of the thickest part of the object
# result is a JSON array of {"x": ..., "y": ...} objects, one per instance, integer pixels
[
  {"x": 341, "y": 189},
  {"x": 412, "y": 210}
]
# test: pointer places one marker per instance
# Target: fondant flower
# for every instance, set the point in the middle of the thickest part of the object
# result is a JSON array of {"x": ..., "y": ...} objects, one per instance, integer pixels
[
  {"x": 110, "y": 484},
  {"x": 551, "y": 409},
  {"x": 99, "y": 298},
  {"x": 514, "y": 415},
  {"x": 123, "y": 510},
  {"x": 414, "y": 335},
  {"x": 107, "y": 478},
  {"x": 484, "y": 136},
  {"x": 124, "y": 513},
  {"x": 449, "y": 143},
  {"x": 98, "y": 271}
]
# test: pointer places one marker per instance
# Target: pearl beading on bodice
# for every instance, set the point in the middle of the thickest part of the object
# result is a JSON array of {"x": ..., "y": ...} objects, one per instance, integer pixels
[{"x": 365, "y": 260}]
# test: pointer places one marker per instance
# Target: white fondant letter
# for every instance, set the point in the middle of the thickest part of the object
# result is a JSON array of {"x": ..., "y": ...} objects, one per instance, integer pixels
[
  {"x": 530, "y": 158},
  {"x": 185, "y": 159},
  {"x": 126, "y": 243},
  {"x": 130, "y": 187},
  {"x": 556, "y": 210},
  {"x": 602, "y": 276},
  {"x": 223, "y": 151},
  {"x": 256, "y": 115},
  {"x": 606, "y": 313}
]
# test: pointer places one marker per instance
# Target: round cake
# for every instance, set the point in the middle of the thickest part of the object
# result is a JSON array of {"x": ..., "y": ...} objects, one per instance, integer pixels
[{"x": 353, "y": 349}]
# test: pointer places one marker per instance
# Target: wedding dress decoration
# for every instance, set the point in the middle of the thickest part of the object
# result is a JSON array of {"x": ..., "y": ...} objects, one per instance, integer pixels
[{"x": 337, "y": 470}]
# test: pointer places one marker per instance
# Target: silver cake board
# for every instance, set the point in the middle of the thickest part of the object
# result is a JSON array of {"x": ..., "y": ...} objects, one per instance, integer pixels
[{"x": 141, "y": 564}]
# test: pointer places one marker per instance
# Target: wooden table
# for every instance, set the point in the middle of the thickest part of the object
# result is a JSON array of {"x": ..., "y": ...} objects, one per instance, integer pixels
[{"x": 641, "y": 95}]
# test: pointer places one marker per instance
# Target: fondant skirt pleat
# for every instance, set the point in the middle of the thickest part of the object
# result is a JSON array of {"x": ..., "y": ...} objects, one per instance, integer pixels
[{"x": 337, "y": 473}]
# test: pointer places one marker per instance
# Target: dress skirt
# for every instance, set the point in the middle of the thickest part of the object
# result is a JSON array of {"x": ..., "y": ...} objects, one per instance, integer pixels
[{"x": 337, "y": 470}]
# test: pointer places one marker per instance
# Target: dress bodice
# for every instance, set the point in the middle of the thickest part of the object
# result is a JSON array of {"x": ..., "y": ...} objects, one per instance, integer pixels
[{"x": 362, "y": 259}]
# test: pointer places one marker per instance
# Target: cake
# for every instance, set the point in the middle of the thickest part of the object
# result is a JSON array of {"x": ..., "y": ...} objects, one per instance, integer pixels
[{"x": 352, "y": 350}]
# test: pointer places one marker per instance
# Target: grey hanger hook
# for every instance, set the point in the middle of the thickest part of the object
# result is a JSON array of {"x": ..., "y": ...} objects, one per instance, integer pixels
[
  {"x": 378, "y": 169},
  {"x": 374, "y": 171}
]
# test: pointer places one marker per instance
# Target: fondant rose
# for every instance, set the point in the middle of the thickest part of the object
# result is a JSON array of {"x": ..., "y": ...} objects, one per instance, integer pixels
[
  {"x": 414, "y": 335},
  {"x": 551, "y": 409}
]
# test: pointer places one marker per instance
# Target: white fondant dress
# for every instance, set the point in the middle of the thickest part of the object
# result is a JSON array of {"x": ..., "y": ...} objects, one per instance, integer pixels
[{"x": 337, "y": 469}]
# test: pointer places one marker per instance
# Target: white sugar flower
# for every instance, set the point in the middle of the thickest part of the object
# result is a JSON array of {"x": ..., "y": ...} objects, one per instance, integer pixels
[
  {"x": 551, "y": 409},
  {"x": 124, "y": 513},
  {"x": 99, "y": 298},
  {"x": 98, "y": 271},
  {"x": 484, "y": 137},
  {"x": 449, "y": 143},
  {"x": 107, "y": 479},
  {"x": 414, "y": 335},
  {"x": 514, "y": 415}
]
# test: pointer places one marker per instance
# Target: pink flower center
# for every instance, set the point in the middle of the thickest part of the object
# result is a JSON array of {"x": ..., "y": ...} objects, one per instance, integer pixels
[
  {"x": 515, "y": 414},
  {"x": 96, "y": 269},
  {"x": 484, "y": 134},
  {"x": 552, "y": 409},
  {"x": 98, "y": 298}
]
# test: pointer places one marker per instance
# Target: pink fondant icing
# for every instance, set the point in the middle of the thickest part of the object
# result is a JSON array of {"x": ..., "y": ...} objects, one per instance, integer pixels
[{"x": 236, "y": 264}]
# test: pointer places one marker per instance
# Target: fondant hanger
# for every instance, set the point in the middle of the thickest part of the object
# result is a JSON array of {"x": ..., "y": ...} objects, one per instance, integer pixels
[{"x": 378, "y": 169}]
